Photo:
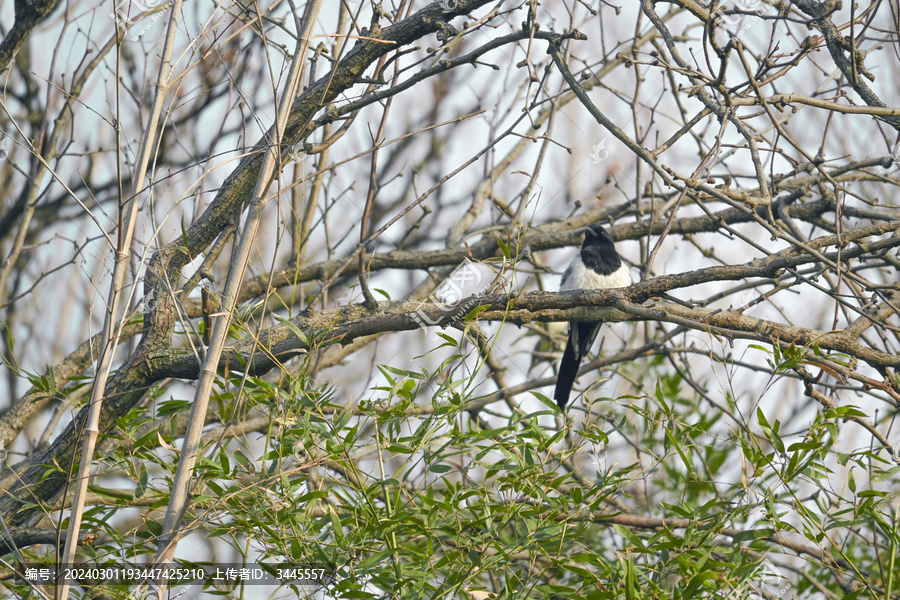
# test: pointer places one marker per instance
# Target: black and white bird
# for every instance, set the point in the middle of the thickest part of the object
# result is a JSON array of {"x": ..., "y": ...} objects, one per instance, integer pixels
[{"x": 598, "y": 266}]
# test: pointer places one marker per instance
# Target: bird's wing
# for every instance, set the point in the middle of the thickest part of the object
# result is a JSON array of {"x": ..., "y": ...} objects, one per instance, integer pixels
[
  {"x": 567, "y": 283},
  {"x": 583, "y": 336}
]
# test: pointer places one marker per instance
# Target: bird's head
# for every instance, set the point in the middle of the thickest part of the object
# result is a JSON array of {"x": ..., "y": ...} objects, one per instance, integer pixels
[{"x": 595, "y": 235}]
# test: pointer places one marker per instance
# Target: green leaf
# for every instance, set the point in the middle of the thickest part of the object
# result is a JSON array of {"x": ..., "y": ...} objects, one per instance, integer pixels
[
  {"x": 168, "y": 408},
  {"x": 337, "y": 526},
  {"x": 293, "y": 327},
  {"x": 546, "y": 401},
  {"x": 885, "y": 475},
  {"x": 504, "y": 247},
  {"x": 762, "y": 418},
  {"x": 475, "y": 312},
  {"x": 143, "y": 481},
  {"x": 631, "y": 587},
  {"x": 110, "y": 493},
  {"x": 752, "y": 534},
  {"x": 241, "y": 459},
  {"x": 312, "y": 496},
  {"x": 872, "y": 494},
  {"x": 402, "y": 372}
]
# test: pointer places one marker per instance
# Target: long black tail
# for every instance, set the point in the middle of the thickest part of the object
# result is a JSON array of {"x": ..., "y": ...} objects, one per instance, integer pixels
[{"x": 568, "y": 369}]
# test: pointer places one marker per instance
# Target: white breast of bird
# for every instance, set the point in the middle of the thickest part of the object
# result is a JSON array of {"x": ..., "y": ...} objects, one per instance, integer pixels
[{"x": 582, "y": 278}]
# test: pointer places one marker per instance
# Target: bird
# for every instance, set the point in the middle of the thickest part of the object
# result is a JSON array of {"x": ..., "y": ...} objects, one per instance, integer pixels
[{"x": 596, "y": 267}]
